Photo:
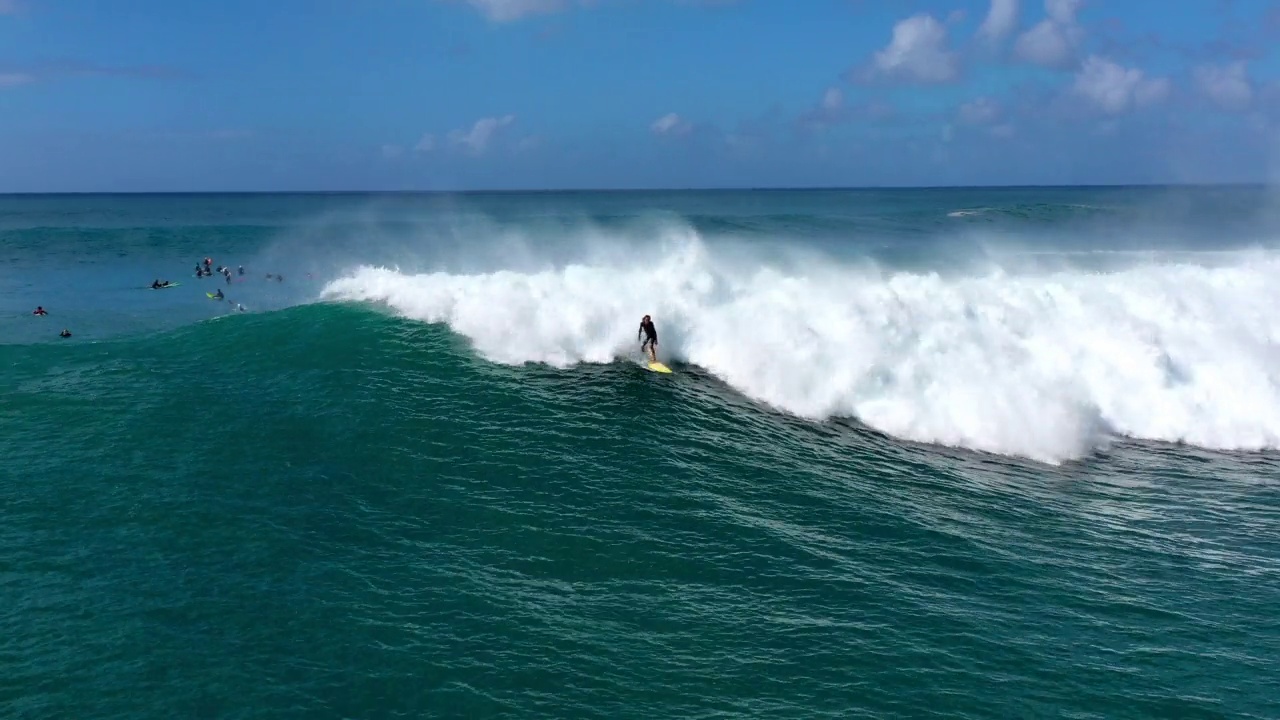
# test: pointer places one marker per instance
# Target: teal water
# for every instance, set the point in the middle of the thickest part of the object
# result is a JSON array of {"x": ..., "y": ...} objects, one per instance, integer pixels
[{"x": 977, "y": 454}]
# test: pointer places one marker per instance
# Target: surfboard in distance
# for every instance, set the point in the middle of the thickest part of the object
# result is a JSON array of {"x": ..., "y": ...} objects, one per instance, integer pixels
[
  {"x": 212, "y": 296},
  {"x": 164, "y": 287},
  {"x": 658, "y": 367}
]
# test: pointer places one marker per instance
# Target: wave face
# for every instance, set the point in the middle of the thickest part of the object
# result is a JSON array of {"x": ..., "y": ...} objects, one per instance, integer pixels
[{"x": 1046, "y": 365}]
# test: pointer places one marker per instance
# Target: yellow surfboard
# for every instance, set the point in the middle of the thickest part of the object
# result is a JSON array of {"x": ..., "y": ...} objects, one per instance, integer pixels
[{"x": 659, "y": 367}]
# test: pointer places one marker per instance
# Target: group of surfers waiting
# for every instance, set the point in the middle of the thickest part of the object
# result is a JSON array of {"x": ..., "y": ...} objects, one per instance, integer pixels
[
  {"x": 203, "y": 269},
  {"x": 206, "y": 269}
]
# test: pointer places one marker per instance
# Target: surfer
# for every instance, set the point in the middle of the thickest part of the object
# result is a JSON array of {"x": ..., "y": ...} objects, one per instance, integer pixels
[
  {"x": 39, "y": 310},
  {"x": 218, "y": 295},
  {"x": 65, "y": 333},
  {"x": 241, "y": 269},
  {"x": 651, "y": 338}
]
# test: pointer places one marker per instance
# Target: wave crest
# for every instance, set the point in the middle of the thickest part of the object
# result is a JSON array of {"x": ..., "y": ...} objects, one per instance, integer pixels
[{"x": 1045, "y": 366}]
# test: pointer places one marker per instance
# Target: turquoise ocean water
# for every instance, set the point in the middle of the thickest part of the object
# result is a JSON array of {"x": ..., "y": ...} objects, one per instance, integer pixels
[{"x": 1003, "y": 453}]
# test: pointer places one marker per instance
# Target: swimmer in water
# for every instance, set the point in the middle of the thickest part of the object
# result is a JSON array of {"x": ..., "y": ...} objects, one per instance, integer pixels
[{"x": 39, "y": 310}]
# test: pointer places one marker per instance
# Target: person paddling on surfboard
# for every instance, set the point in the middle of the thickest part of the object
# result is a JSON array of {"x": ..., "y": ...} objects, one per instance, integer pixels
[{"x": 651, "y": 338}]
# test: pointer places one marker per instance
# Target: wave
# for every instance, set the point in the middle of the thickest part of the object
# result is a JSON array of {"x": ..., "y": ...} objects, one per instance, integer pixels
[{"x": 1050, "y": 366}]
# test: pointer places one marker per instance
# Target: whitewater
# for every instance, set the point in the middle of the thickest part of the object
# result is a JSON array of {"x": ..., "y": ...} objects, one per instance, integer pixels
[{"x": 1047, "y": 365}]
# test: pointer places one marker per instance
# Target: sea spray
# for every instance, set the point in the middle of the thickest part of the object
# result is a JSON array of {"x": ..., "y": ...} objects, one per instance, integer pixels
[{"x": 1046, "y": 366}]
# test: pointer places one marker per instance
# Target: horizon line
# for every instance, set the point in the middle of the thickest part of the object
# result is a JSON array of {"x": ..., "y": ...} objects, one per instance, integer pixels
[{"x": 549, "y": 191}]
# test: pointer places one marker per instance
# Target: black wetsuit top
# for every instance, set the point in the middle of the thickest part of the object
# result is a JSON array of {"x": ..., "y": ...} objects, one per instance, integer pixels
[{"x": 651, "y": 333}]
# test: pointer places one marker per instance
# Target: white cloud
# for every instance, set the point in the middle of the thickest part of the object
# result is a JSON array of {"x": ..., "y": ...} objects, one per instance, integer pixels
[
  {"x": 1062, "y": 11},
  {"x": 509, "y": 10},
  {"x": 477, "y": 139},
  {"x": 980, "y": 111},
  {"x": 1115, "y": 89},
  {"x": 918, "y": 52},
  {"x": 1227, "y": 86},
  {"x": 392, "y": 151},
  {"x": 829, "y": 110},
  {"x": 671, "y": 124},
  {"x": 426, "y": 143},
  {"x": 1001, "y": 19},
  {"x": 832, "y": 99},
  {"x": 1053, "y": 41},
  {"x": 15, "y": 79}
]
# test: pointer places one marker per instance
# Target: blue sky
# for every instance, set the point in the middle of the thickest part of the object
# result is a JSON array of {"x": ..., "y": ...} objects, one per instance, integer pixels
[{"x": 134, "y": 95}]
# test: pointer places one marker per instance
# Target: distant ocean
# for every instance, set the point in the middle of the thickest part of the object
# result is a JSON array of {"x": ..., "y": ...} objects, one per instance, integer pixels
[{"x": 984, "y": 453}]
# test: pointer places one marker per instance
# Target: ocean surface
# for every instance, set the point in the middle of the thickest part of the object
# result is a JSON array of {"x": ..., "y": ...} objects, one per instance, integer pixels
[{"x": 987, "y": 453}]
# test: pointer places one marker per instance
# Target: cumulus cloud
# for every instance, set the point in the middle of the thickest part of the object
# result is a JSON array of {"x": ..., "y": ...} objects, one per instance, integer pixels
[
  {"x": 1227, "y": 86},
  {"x": 918, "y": 52},
  {"x": 671, "y": 124},
  {"x": 1116, "y": 89},
  {"x": 1053, "y": 41},
  {"x": 835, "y": 108},
  {"x": 1001, "y": 19},
  {"x": 829, "y": 111},
  {"x": 482, "y": 132}
]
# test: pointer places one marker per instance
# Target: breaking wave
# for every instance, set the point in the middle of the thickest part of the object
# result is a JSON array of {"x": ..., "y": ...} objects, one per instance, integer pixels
[{"x": 1044, "y": 365}]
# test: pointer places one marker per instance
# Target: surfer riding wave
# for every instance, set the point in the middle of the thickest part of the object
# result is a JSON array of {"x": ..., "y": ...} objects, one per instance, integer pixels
[{"x": 651, "y": 338}]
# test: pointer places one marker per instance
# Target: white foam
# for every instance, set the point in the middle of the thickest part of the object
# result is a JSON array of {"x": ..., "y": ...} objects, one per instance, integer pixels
[{"x": 1045, "y": 366}]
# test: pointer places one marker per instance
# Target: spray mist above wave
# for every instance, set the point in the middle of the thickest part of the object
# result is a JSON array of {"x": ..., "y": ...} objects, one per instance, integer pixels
[{"x": 1045, "y": 366}]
